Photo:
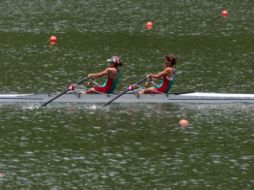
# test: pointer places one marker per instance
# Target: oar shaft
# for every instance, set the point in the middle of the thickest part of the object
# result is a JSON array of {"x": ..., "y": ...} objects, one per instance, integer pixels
[
  {"x": 65, "y": 91},
  {"x": 118, "y": 96},
  {"x": 83, "y": 80},
  {"x": 51, "y": 100},
  {"x": 124, "y": 92}
]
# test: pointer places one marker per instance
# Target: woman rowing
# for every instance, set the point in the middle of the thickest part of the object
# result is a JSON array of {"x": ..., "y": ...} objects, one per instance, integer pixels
[
  {"x": 112, "y": 73},
  {"x": 167, "y": 76}
]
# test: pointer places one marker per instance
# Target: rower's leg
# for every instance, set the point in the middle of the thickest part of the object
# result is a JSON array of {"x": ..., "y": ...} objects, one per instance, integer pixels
[
  {"x": 94, "y": 91},
  {"x": 151, "y": 90},
  {"x": 90, "y": 91}
]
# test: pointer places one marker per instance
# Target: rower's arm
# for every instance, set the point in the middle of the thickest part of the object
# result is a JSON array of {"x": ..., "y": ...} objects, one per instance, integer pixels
[
  {"x": 98, "y": 75},
  {"x": 160, "y": 75}
]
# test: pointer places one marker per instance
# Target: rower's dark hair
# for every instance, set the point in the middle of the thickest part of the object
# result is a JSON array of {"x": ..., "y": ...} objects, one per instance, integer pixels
[
  {"x": 117, "y": 60},
  {"x": 120, "y": 64},
  {"x": 170, "y": 59}
]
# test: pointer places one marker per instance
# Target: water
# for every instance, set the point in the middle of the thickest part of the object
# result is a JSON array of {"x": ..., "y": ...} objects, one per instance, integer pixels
[{"x": 126, "y": 146}]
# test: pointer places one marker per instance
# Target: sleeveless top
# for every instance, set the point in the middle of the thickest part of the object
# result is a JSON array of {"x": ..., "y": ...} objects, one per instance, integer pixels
[
  {"x": 110, "y": 84},
  {"x": 167, "y": 83}
]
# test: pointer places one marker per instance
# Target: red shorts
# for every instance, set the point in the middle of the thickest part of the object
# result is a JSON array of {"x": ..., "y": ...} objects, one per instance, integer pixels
[
  {"x": 164, "y": 88},
  {"x": 107, "y": 88},
  {"x": 101, "y": 89}
]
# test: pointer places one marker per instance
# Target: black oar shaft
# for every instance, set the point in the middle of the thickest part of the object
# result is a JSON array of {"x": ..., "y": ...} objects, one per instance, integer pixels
[
  {"x": 124, "y": 92},
  {"x": 51, "y": 100},
  {"x": 116, "y": 97},
  {"x": 65, "y": 91}
]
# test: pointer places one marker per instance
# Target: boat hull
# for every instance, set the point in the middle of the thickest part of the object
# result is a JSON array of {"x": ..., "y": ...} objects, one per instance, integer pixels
[{"x": 196, "y": 97}]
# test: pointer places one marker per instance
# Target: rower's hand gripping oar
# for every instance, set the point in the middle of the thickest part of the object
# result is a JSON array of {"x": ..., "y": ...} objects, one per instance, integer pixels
[
  {"x": 124, "y": 92},
  {"x": 65, "y": 91}
]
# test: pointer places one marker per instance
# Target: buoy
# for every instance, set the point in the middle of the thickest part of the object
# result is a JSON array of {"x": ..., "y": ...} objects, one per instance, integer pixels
[
  {"x": 224, "y": 13},
  {"x": 149, "y": 25},
  {"x": 53, "y": 40},
  {"x": 183, "y": 122}
]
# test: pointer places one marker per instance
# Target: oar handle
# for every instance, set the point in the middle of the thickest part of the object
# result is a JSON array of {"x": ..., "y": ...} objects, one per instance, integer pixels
[
  {"x": 124, "y": 92},
  {"x": 65, "y": 91}
]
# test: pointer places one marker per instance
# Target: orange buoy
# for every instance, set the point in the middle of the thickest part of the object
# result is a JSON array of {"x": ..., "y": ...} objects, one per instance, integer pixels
[
  {"x": 224, "y": 13},
  {"x": 149, "y": 25},
  {"x": 183, "y": 122},
  {"x": 53, "y": 40}
]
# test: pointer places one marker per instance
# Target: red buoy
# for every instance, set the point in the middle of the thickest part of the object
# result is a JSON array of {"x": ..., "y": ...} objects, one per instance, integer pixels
[
  {"x": 184, "y": 122},
  {"x": 53, "y": 40},
  {"x": 149, "y": 25},
  {"x": 224, "y": 13}
]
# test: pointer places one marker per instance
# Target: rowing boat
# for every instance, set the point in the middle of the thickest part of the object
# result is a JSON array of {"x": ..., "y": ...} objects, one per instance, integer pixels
[{"x": 72, "y": 97}]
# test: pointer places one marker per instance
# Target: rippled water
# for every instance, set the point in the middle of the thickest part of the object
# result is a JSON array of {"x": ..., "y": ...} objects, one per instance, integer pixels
[
  {"x": 71, "y": 146},
  {"x": 92, "y": 148}
]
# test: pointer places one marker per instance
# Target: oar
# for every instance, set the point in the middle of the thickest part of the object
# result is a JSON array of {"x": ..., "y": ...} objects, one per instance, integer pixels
[
  {"x": 124, "y": 92},
  {"x": 65, "y": 91}
]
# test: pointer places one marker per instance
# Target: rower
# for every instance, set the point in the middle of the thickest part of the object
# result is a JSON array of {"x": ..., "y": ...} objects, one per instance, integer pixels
[
  {"x": 167, "y": 76},
  {"x": 112, "y": 73}
]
